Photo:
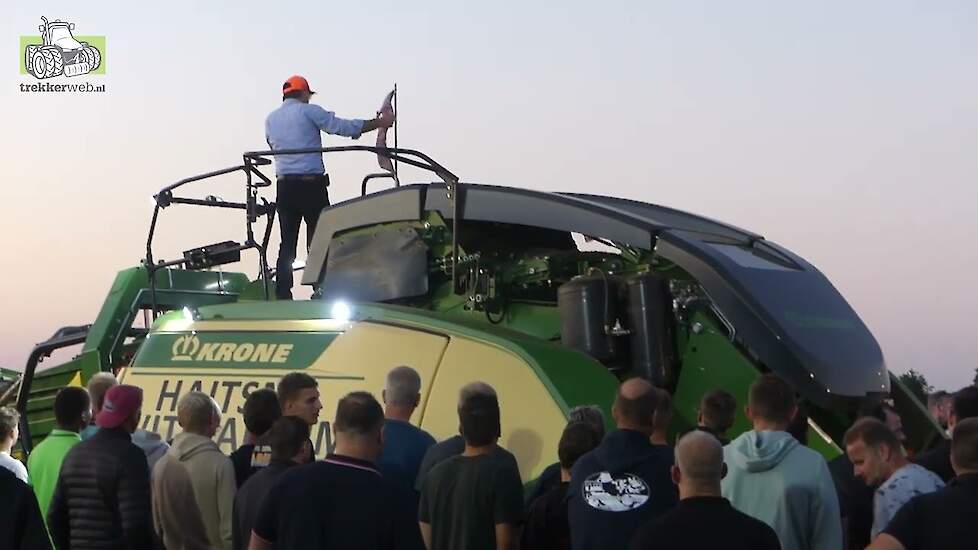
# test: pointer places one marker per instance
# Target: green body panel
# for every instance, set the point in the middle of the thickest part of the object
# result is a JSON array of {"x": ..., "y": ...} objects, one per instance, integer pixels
[{"x": 110, "y": 342}]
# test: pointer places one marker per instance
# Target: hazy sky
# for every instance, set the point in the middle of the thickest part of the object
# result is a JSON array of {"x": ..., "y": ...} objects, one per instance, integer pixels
[{"x": 846, "y": 131}]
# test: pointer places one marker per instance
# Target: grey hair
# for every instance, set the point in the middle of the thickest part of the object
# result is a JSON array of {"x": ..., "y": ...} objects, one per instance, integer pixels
[
  {"x": 590, "y": 415},
  {"x": 473, "y": 389},
  {"x": 402, "y": 387},
  {"x": 195, "y": 411}
]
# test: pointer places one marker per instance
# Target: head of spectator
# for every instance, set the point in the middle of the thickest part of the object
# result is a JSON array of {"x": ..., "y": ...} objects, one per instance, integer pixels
[
  {"x": 288, "y": 438},
  {"x": 359, "y": 426},
  {"x": 798, "y": 428},
  {"x": 874, "y": 450},
  {"x": 939, "y": 405},
  {"x": 589, "y": 414},
  {"x": 577, "y": 439},
  {"x": 402, "y": 393},
  {"x": 635, "y": 405},
  {"x": 298, "y": 393},
  {"x": 261, "y": 410},
  {"x": 770, "y": 404},
  {"x": 98, "y": 385},
  {"x": 699, "y": 465},
  {"x": 964, "y": 447},
  {"x": 9, "y": 428},
  {"x": 885, "y": 413},
  {"x": 478, "y": 415},
  {"x": 718, "y": 409},
  {"x": 198, "y": 413},
  {"x": 663, "y": 418},
  {"x": 964, "y": 405},
  {"x": 121, "y": 408},
  {"x": 72, "y": 409}
]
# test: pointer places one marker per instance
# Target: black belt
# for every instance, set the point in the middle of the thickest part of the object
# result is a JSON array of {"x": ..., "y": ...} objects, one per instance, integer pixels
[{"x": 305, "y": 178}]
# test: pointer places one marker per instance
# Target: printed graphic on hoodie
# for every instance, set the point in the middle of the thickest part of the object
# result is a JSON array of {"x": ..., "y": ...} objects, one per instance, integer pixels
[{"x": 615, "y": 492}]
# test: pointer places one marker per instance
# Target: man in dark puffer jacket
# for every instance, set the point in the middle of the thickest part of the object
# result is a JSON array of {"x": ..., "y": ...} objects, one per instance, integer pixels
[{"x": 102, "y": 499}]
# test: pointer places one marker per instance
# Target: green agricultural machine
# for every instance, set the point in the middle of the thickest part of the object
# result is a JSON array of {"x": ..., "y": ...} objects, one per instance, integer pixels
[{"x": 551, "y": 297}]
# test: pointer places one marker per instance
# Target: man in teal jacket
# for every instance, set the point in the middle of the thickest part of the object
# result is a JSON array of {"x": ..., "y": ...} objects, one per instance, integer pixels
[
  {"x": 71, "y": 413},
  {"x": 779, "y": 481}
]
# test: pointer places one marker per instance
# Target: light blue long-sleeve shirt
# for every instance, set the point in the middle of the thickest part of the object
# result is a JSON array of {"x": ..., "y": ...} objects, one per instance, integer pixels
[{"x": 297, "y": 125}]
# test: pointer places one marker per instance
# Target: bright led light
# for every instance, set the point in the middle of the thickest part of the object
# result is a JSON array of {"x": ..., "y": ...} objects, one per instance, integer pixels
[
  {"x": 187, "y": 314},
  {"x": 298, "y": 264},
  {"x": 341, "y": 311}
]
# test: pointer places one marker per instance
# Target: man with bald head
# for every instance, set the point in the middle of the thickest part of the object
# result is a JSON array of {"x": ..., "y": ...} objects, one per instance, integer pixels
[
  {"x": 404, "y": 443},
  {"x": 698, "y": 470},
  {"x": 624, "y": 482}
]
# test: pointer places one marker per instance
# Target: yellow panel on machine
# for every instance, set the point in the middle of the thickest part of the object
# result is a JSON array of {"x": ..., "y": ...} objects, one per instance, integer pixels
[{"x": 231, "y": 359}]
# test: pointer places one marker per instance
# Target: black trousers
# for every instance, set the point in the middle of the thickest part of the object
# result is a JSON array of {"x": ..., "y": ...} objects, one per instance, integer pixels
[{"x": 298, "y": 198}]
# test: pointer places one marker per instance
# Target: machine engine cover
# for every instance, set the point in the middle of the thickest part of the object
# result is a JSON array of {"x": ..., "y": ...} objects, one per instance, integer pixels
[{"x": 377, "y": 267}]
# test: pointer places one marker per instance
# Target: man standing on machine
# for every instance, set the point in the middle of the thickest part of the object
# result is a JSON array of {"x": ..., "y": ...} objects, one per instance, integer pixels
[{"x": 302, "y": 179}]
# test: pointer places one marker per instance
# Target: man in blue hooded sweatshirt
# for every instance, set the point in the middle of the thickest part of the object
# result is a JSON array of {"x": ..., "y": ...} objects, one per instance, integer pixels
[
  {"x": 777, "y": 480},
  {"x": 624, "y": 482}
]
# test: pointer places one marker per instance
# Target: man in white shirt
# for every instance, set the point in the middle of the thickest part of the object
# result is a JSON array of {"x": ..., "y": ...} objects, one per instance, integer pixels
[
  {"x": 877, "y": 457},
  {"x": 9, "y": 433}
]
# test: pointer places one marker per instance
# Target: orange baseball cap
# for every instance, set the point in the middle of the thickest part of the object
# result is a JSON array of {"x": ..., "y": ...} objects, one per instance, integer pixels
[{"x": 296, "y": 83}]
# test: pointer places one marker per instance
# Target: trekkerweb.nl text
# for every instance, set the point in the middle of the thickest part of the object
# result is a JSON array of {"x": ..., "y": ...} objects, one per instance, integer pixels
[{"x": 42, "y": 87}]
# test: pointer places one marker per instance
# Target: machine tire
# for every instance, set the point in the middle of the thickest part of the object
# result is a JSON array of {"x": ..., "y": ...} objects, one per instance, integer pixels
[
  {"x": 39, "y": 65},
  {"x": 28, "y": 57},
  {"x": 94, "y": 57},
  {"x": 56, "y": 61}
]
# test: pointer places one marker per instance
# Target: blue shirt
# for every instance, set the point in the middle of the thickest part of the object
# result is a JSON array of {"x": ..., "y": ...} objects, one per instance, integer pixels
[
  {"x": 404, "y": 448},
  {"x": 296, "y": 125}
]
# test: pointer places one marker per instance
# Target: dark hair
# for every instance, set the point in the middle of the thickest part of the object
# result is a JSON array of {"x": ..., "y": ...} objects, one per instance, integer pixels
[
  {"x": 964, "y": 444},
  {"x": 873, "y": 433},
  {"x": 771, "y": 399},
  {"x": 260, "y": 411},
  {"x": 875, "y": 410},
  {"x": 479, "y": 419},
  {"x": 291, "y": 384},
  {"x": 719, "y": 409},
  {"x": 358, "y": 413},
  {"x": 578, "y": 438},
  {"x": 663, "y": 409},
  {"x": 70, "y": 405},
  {"x": 286, "y": 437},
  {"x": 965, "y": 403},
  {"x": 936, "y": 397},
  {"x": 640, "y": 409},
  {"x": 9, "y": 417},
  {"x": 798, "y": 427},
  {"x": 294, "y": 94}
]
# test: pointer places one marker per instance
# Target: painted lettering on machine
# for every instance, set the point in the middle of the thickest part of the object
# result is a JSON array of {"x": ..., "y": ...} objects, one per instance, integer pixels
[
  {"x": 230, "y": 393},
  {"x": 228, "y": 366},
  {"x": 233, "y": 349}
]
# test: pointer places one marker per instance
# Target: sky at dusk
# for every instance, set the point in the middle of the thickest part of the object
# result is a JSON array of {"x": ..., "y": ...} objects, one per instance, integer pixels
[{"x": 845, "y": 131}]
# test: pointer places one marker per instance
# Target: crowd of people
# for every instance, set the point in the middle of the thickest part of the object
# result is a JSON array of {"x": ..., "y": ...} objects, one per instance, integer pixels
[{"x": 97, "y": 481}]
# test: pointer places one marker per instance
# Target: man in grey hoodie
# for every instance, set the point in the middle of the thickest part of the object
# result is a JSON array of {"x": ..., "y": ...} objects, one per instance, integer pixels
[
  {"x": 777, "y": 480},
  {"x": 194, "y": 483}
]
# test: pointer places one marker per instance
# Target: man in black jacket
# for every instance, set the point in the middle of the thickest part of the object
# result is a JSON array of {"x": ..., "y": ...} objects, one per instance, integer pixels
[
  {"x": 103, "y": 497},
  {"x": 21, "y": 527},
  {"x": 938, "y": 460},
  {"x": 625, "y": 481}
]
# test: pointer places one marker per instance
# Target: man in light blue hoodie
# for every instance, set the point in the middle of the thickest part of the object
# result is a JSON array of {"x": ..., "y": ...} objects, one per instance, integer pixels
[{"x": 777, "y": 480}]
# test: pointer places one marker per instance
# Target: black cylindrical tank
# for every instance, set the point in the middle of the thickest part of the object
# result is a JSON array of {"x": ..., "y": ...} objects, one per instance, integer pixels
[
  {"x": 584, "y": 311},
  {"x": 651, "y": 323}
]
